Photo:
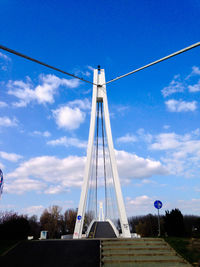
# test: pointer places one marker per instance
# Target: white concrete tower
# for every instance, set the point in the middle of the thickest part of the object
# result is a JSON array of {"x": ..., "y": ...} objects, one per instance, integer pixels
[{"x": 100, "y": 95}]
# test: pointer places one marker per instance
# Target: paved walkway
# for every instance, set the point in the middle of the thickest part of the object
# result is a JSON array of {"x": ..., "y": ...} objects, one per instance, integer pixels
[{"x": 53, "y": 253}]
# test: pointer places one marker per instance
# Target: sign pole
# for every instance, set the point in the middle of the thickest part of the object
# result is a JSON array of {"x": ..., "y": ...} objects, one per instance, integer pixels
[
  {"x": 158, "y": 205},
  {"x": 158, "y": 224}
]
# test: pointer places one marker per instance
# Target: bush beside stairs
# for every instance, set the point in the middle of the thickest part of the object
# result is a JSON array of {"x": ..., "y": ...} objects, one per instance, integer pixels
[{"x": 141, "y": 252}]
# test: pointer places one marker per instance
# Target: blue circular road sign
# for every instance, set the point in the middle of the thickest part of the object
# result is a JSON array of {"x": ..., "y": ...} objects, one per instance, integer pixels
[
  {"x": 79, "y": 217},
  {"x": 158, "y": 204}
]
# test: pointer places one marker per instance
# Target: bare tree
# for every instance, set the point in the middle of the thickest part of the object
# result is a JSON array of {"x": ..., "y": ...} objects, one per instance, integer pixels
[
  {"x": 70, "y": 220},
  {"x": 52, "y": 221}
]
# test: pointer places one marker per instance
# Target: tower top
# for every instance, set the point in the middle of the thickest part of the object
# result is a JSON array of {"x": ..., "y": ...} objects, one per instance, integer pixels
[{"x": 99, "y": 67}]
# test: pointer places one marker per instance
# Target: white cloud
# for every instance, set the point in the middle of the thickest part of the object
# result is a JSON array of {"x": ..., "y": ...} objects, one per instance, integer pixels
[
  {"x": 4, "y": 57},
  {"x": 4, "y": 61},
  {"x": 42, "y": 93},
  {"x": 196, "y": 132},
  {"x": 84, "y": 104},
  {"x": 6, "y": 207},
  {"x": 10, "y": 156},
  {"x": 68, "y": 118},
  {"x": 79, "y": 72},
  {"x": 3, "y": 104},
  {"x": 194, "y": 88},
  {"x": 166, "y": 141},
  {"x": 67, "y": 141},
  {"x": 33, "y": 210},
  {"x": 2, "y": 166},
  {"x": 121, "y": 108},
  {"x": 182, "y": 152},
  {"x": 22, "y": 185},
  {"x": 147, "y": 181},
  {"x": 51, "y": 170},
  {"x": 52, "y": 190},
  {"x": 143, "y": 204},
  {"x": 147, "y": 137},
  {"x": 166, "y": 127},
  {"x": 52, "y": 175},
  {"x": 128, "y": 138},
  {"x": 140, "y": 205},
  {"x": 7, "y": 122},
  {"x": 131, "y": 166},
  {"x": 180, "y": 106},
  {"x": 141, "y": 200},
  {"x": 44, "y": 134},
  {"x": 195, "y": 72},
  {"x": 90, "y": 68},
  {"x": 4, "y": 67},
  {"x": 191, "y": 206},
  {"x": 175, "y": 86}
]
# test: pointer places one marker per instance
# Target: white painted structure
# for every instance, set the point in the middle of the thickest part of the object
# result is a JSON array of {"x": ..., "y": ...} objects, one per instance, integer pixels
[
  {"x": 100, "y": 95},
  {"x": 43, "y": 235},
  {"x": 101, "y": 214}
]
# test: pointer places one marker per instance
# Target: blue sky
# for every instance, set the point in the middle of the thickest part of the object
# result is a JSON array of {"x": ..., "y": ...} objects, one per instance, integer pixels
[{"x": 44, "y": 115}]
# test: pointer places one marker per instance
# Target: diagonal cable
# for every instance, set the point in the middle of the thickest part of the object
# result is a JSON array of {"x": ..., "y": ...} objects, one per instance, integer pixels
[
  {"x": 42, "y": 63},
  {"x": 155, "y": 62}
]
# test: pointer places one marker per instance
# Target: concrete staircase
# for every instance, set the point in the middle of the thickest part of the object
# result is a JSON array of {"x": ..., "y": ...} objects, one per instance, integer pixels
[{"x": 142, "y": 252}]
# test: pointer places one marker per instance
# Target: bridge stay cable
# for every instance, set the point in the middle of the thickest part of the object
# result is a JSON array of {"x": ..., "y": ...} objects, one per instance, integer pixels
[
  {"x": 155, "y": 62},
  {"x": 42, "y": 63},
  {"x": 97, "y": 151},
  {"x": 104, "y": 159},
  {"x": 112, "y": 80}
]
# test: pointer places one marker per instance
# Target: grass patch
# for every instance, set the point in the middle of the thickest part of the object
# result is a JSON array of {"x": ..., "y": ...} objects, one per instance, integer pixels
[
  {"x": 6, "y": 244},
  {"x": 184, "y": 248}
]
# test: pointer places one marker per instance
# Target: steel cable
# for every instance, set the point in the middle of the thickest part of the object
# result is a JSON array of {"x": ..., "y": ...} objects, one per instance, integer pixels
[
  {"x": 155, "y": 62},
  {"x": 42, "y": 63}
]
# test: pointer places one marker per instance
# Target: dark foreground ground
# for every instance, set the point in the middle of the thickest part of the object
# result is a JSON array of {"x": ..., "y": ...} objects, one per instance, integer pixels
[{"x": 53, "y": 253}]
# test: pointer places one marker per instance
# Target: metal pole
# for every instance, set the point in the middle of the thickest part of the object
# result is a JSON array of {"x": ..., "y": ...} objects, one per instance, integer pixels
[{"x": 158, "y": 223}]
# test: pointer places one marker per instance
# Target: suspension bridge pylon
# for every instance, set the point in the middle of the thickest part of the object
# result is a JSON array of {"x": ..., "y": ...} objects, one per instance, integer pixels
[{"x": 100, "y": 96}]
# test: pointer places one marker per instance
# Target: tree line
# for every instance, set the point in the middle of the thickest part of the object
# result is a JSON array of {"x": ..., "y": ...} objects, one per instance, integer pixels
[
  {"x": 17, "y": 227},
  {"x": 173, "y": 223}
]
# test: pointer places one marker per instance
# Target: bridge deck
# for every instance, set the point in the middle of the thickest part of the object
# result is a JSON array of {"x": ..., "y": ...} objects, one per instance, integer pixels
[{"x": 102, "y": 230}]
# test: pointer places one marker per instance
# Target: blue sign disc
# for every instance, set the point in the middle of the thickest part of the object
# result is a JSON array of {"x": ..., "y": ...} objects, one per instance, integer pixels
[
  {"x": 79, "y": 217},
  {"x": 158, "y": 204}
]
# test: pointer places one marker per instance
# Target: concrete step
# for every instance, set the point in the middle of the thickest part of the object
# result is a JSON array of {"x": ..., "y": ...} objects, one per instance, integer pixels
[
  {"x": 145, "y": 264},
  {"x": 144, "y": 252},
  {"x": 138, "y": 253},
  {"x": 141, "y": 246},
  {"x": 134, "y": 240},
  {"x": 142, "y": 258},
  {"x": 147, "y": 249},
  {"x": 153, "y": 262}
]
